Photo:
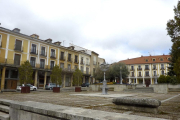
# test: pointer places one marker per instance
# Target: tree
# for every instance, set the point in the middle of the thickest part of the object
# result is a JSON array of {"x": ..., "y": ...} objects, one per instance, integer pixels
[
  {"x": 25, "y": 73},
  {"x": 77, "y": 77},
  {"x": 56, "y": 75},
  {"x": 99, "y": 74},
  {"x": 173, "y": 30}
]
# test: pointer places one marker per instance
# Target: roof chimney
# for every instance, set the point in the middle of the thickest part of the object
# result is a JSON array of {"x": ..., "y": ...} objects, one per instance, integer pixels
[
  {"x": 35, "y": 36},
  {"x": 17, "y": 30},
  {"x": 141, "y": 55},
  {"x": 57, "y": 43},
  {"x": 48, "y": 40}
]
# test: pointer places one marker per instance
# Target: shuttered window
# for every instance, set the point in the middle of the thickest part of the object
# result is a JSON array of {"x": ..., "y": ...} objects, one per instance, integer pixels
[
  {"x": 33, "y": 61},
  {"x": 42, "y": 63},
  {"x": 18, "y": 45}
]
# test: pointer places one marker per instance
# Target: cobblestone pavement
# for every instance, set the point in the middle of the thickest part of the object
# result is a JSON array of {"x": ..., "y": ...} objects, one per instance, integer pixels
[{"x": 169, "y": 109}]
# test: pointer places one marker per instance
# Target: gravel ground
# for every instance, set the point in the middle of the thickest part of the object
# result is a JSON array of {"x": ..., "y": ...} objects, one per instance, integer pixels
[{"x": 169, "y": 109}]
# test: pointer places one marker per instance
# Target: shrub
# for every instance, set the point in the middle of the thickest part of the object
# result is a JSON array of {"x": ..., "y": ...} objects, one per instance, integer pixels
[{"x": 162, "y": 79}]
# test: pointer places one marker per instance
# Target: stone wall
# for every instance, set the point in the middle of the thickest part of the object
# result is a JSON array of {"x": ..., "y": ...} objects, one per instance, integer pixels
[{"x": 117, "y": 87}]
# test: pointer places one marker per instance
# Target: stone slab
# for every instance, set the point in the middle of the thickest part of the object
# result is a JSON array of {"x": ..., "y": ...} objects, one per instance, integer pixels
[
  {"x": 4, "y": 108},
  {"x": 4, "y": 116},
  {"x": 107, "y": 95}
]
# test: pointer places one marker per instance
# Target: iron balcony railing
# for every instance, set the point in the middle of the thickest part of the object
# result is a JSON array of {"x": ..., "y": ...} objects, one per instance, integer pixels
[
  {"x": 139, "y": 75},
  {"x": 132, "y": 69},
  {"x": 146, "y": 68},
  {"x": 43, "y": 53},
  {"x": 86, "y": 72},
  {"x": 69, "y": 60},
  {"x": 88, "y": 64},
  {"x": 162, "y": 68},
  {"x": 62, "y": 58},
  {"x": 18, "y": 48},
  {"x": 154, "y": 68},
  {"x": 53, "y": 56},
  {"x": 76, "y": 61},
  {"x": 33, "y": 51},
  {"x": 139, "y": 68},
  {"x": 94, "y": 62},
  {"x": 82, "y": 62}
]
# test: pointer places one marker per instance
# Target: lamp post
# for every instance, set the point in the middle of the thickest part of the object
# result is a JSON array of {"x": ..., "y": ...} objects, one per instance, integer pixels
[
  {"x": 104, "y": 67},
  {"x": 156, "y": 77},
  {"x": 120, "y": 75}
]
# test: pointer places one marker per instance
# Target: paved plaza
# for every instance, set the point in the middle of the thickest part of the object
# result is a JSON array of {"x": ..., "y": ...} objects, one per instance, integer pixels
[{"x": 170, "y": 108}]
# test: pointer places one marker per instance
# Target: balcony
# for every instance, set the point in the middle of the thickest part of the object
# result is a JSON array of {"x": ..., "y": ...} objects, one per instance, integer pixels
[
  {"x": 18, "y": 48},
  {"x": 82, "y": 62},
  {"x": 69, "y": 60},
  {"x": 53, "y": 56},
  {"x": 76, "y": 61},
  {"x": 62, "y": 58},
  {"x": 146, "y": 75},
  {"x": 87, "y": 73},
  {"x": 139, "y": 68},
  {"x": 34, "y": 52},
  {"x": 132, "y": 76},
  {"x": 162, "y": 68},
  {"x": 146, "y": 68},
  {"x": 87, "y": 64},
  {"x": 139, "y": 75},
  {"x": 94, "y": 62},
  {"x": 132, "y": 69},
  {"x": 68, "y": 70},
  {"x": 154, "y": 68},
  {"x": 44, "y": 54}
]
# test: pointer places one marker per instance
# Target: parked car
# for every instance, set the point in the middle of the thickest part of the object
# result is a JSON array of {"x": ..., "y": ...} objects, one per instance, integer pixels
[
  {"x": 50, "y": 86},
  {"x": 85, "y": 85},
  {"x": 34, "y": 88}
]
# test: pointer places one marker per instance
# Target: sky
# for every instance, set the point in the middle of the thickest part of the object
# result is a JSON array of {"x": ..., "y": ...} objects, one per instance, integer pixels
[{"x": 115, "y": 29}]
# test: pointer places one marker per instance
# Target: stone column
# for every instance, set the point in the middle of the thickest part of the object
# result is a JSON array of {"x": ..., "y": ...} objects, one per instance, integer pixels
[
  {"x": 143, "y": 81},
  {"x": 89, "y": 80},
  {"x": 45, "y": 77},
  {"x": 129, "y": 81},
  {"x": 64, "y": 80},
  {"x": 36, "y": 76},
  {"x": 3, "y": 78},
  {"x": 151, "y": 81}
]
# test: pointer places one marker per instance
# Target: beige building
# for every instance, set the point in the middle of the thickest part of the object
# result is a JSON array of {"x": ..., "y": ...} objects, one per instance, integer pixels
[
  {"x": 146, "y": 69},
  {"x": 15, "y": 48}
]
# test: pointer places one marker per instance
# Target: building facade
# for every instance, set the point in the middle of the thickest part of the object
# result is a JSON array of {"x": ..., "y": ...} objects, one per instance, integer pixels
[
  {"x": 146, "y": 69},
  {"x": 16, "y": 48}
]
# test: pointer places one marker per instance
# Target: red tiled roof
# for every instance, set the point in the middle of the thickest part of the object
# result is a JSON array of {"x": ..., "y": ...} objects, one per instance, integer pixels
[{"x": 147, "y": 60}]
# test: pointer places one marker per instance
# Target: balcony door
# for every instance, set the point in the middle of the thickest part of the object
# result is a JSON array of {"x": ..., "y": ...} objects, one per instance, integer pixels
[
  {"x": 18, "y": 45},
  {"x": 62, "y": 55},
  {"x": 33, "y": 49},
  {"x": 42, "y": 63},
  {"x": 52, "y": 64},
  {"x": 17, "y": 59},
  {"x": 33, "y": 61},
  {"x": 52, "y": 52},
  {"x": 43, "y": 51}
]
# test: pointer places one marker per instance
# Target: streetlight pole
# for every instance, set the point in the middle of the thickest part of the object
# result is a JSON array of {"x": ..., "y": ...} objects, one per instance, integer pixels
[
  {"x": 104, "y": 67},
  {"x": 120, "y": 75}
]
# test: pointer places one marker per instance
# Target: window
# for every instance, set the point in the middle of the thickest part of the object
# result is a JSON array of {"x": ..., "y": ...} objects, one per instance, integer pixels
[
  {"x": 154, "y": 73},
  {"x": 162, "y": 72},
  {"x": 147, "y": 73},
  {"x": 62, "y": 56},
  {"x": 33, "y": 49},
  {"x": 75, "y": 67},
  {"x": 94, "y": 60},
  {"x": 139, "y": 67},
  {"x": 14, "y": 74},
  {"x": 62, "y": 65},
  {"x": 154, "y": 59},
  {"x": 132, "y": 67},
  {"x": 43, "y": 51},
  {"x": 154, "y": 67},
  {"x": 69, "y": 57},
  {"x": 162, "y": 66},
  {"x": 161, "y": 59},
  {"x": 139, "y": 74},
  {"x": 81, "y": 60},
  {"x": 17, "y": 58},
  {"x": 76, "y": 59},
  {"x": 132, "y": 74},
  {"x": 82, "y": 70},
  {"x": 52, "y": 65},
  {"x": 87, "y": 70},
  {"x": 53, "y": 53},
  {"x": 69, "y": 66},
  {"x": 18, "y": 45},
  {"x": 146, "y": 60},
  {"x": 146, "y": 67},
  {"x": 42, "y": 63},
  {"x": 87, "y": 61},
  {"x": 169, "y": 59},
  {"x": 33, "y": 61}
]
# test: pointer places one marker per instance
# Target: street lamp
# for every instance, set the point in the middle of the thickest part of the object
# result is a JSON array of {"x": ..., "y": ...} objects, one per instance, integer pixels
[
  {"x": 120, "y": 75},
  {"x": 156, "y": 77},
  {"x": 104, "y": 67}
]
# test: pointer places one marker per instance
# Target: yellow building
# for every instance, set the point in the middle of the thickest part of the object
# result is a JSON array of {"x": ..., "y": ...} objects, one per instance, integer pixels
[
  {"x": 15, "y": 48},
  {"x": 146, "y": 69}
]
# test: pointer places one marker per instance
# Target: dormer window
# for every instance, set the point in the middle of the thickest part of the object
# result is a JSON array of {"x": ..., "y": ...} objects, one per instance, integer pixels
[
  {"x": 154, "y": 59},
  {"x": 146, "y": 60},
  {"x": 161, "y": 59},
  {"x": 169, "y": 59}
]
